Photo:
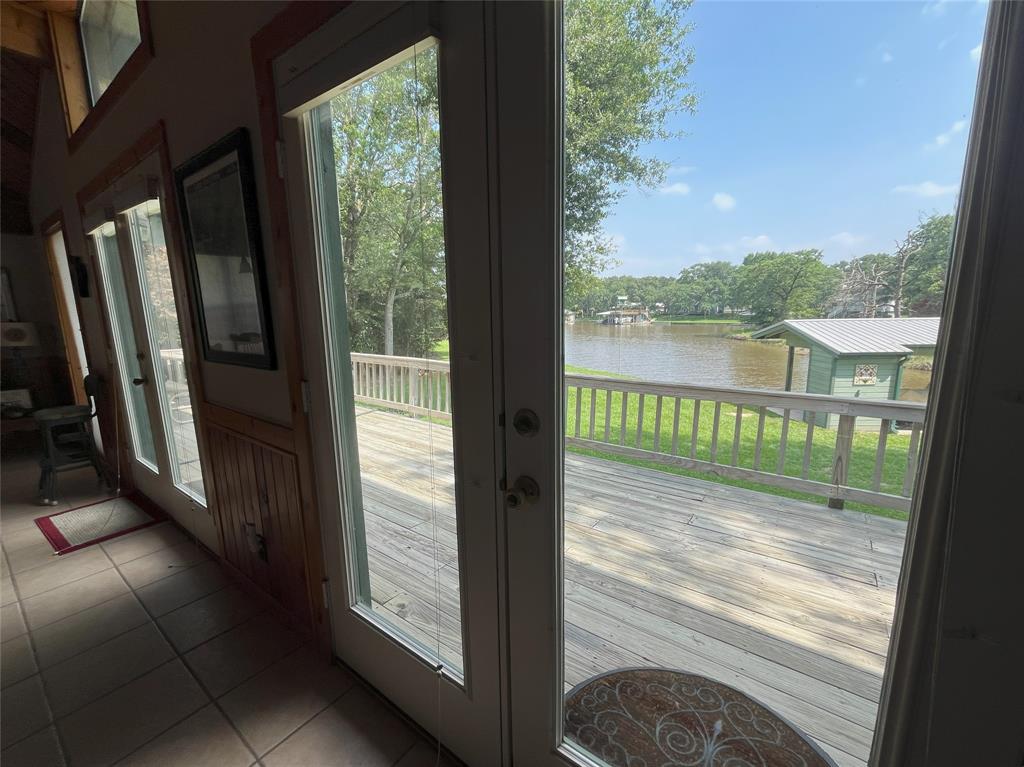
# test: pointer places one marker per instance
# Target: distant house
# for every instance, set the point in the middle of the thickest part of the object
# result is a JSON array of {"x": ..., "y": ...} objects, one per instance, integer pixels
[{"x": 855, "y": 357}]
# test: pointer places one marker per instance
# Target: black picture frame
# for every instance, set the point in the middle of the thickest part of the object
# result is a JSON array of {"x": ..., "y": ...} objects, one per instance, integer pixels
[{"x": 220, "y": 215}]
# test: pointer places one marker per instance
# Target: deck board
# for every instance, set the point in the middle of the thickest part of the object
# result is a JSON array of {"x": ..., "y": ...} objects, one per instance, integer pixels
[{"x": 786, "y": 600}]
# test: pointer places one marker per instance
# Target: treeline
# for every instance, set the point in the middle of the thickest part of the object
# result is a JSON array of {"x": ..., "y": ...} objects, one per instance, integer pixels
[{"x": 772, "y": 286}]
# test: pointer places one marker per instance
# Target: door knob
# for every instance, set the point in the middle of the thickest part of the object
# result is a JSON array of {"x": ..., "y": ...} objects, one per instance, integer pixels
[
  {"x": 140, "y": 381},
  {"x": 524, "y": 491}
]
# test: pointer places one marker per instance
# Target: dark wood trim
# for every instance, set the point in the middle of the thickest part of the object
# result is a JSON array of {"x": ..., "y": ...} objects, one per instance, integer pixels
[
  {"x": 271, "y": 434},
  {"x": 52, "y": 225},
  {"x": 68, "y": 61},
  {"x": 286, "y": 29}
]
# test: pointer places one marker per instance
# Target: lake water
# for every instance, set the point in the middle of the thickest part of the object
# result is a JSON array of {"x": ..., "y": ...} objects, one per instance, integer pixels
[{"x": 696, "y": 354}]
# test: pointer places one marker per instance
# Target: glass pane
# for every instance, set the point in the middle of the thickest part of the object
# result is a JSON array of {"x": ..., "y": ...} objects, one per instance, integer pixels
[
  {"x": 161, "y": 311},
  {"x": 378, "y": 144},
  {"x": 125, "y": 349},
  {"x": 110, "y": 34},
  {"x": 754, "y": 271}
]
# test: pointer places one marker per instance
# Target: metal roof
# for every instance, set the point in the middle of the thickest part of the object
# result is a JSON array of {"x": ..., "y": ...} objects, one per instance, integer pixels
[{"x": 879, "y": 335}]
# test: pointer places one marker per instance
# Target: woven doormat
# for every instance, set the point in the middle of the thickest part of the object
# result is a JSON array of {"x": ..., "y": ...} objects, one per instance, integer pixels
[{"x": 69, "y": 531}]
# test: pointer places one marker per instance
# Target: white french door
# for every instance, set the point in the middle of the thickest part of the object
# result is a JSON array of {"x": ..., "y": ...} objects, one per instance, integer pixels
[
  {"x": 384, "y": 116},
  {"x": 152, "y": 384}
]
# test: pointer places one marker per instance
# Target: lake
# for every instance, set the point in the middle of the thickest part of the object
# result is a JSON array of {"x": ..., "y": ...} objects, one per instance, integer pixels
[{"x": 696, "y": 354}]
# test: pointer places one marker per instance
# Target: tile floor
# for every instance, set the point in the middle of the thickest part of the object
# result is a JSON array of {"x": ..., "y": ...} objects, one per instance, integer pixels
[{"x": 141, "y": 651}]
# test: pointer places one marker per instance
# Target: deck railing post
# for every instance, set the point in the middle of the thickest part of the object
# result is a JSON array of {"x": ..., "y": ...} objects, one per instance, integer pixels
[{"x": 841, "y": 460}]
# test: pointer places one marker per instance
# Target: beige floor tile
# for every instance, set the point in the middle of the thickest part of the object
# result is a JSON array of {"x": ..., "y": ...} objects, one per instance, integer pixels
[
  {"x": 16, "y": 540},
  {"x": 272, "y": 705},
  {"x": 84, "y": 630},
  {"x": 229, "y": 659},
  {"x": 33, "y": 555},
  {"x": 424, "y": 755},
  {"x": 11, "y": 623},
  {"x": 357, "y": 730},
  {"x": 146, "y": 541},
  {"x": 72, "y": 598},
  {"x": 162, "y": 564},
  {"x": 39, "y": 750},
  {"x": 23, "y": 710},
  {"x": 193, "y": 624},
  {"x": 17, "y": 661},
  {"x": 117, "y": 724},
  {"x": 205, "y": 738},
  {"x": 85, "y": 677},
  {"x": 52, "y": 572},
  {"x": 7, "y": 594},
  {"x": 187, "y": 586}
]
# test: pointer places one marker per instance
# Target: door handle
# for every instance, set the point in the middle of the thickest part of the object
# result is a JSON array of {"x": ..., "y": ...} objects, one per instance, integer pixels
[
  {"x": 524, "y": 491},
  {"x": 140, "y": 381}
]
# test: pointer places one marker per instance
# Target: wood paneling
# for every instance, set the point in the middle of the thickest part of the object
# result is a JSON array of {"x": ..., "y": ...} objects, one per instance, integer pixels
[
  {"x": 19, "y": 96},
  {"x": 257, "y": 485}
]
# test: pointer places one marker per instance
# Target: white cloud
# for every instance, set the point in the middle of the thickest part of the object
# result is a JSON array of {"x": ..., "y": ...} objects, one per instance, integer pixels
[
  {"x": 944, "y": 138},
  {"x": 936, "y": 8},
  {"x": 976, "y": 52},
  {"x": 678, "y": 188},
  {"x": 886, "y": 57},
  {"x": 681, "y": 170},
  {"x": 846, "y": 239},
  {"x": 926, "y": 189},
  {"x": 723, "y": 201},
  {"x": 759, "y": 242},
  {"x": 702, "y": 250}
]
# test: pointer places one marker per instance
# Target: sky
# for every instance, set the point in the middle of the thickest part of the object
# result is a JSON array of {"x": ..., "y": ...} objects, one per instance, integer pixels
[{"x": 831, "y": 125}]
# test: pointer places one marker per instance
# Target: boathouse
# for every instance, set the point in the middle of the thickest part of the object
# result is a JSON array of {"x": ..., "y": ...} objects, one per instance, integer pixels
[{"x": 855, "y": 357}]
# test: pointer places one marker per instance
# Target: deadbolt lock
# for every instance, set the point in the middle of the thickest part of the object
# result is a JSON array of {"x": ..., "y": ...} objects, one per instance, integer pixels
[
  {"x": 526, "y": 422},
  {"x": 524, "y": 491}
]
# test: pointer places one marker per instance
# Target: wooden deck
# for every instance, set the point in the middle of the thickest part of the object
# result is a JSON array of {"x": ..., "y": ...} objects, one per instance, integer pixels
[{"x": 787, "y": 601}]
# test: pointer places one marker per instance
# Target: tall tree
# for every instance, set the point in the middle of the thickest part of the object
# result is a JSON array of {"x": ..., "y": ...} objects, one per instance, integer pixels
[
  {"x": 625, "y": 75},
  {"x": 710, "y": 286},
  {"x": 777, "y": 286}
]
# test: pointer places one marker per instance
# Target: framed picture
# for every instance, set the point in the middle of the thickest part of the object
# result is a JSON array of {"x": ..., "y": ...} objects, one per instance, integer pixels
[
  {"x": 221, "y": 220},
  {"x": 865, "y": 375}
]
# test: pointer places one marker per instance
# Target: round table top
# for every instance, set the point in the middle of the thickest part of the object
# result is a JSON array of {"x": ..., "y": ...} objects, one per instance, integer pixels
[{"x": 655, "y": 717}]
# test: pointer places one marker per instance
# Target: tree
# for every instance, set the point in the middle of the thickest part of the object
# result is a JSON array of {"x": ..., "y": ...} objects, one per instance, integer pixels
[
  {"x": 926, "y": 273},
  {"x": 625, "y": 71},
  {"x": 777, "y": 286},
  {"x": 709, "y": 286}
]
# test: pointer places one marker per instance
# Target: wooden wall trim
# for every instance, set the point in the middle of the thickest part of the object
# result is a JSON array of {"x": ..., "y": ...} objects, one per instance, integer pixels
[
  {"x": 286, "y": 29},
  {"x": 270, "y": 434},
  {"x": 52, "y": 225}
]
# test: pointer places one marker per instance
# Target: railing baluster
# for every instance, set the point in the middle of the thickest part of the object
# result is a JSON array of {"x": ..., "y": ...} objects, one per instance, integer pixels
[
  {"x": 579, "y": 406},
  {"x": 607, "y": 412},
  {"x": 448, "y": 392},
  {"x": 657, "y": 424},
  {"x": 808, "y": 443},
  {"x": 883, "y": 439},
  {"x": 780, "y": 465},
  {"x": 736, "y": 434},
  {"x": 640, "y": 423},
  {"x": 714, "y": 431},
  {"x": 593, "y": 408},
  {"x": 911, "y": 471},
  {"x": 760, "y": 438},
  {"x": 841, "y": 460},
  {"x": 622, "y": 422},
  {"x": 675, "y": 426},
  {"x": 694, "y": 428}
]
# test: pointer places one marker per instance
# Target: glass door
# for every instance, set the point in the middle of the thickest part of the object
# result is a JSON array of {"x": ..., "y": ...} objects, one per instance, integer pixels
[
  {"x": 134, "y": 268},
  {"x": 385, "y": 137}
]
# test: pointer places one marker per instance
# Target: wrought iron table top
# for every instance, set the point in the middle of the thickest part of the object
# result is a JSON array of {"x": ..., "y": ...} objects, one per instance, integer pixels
[{"x": 657, "y": 717}]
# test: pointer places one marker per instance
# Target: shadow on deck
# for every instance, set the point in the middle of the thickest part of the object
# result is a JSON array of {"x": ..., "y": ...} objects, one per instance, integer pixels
[{"x": 785, "y": 600}]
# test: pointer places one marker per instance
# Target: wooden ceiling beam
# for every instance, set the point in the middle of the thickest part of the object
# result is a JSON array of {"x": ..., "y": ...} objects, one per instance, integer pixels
[{"x": 24, "y": 30}]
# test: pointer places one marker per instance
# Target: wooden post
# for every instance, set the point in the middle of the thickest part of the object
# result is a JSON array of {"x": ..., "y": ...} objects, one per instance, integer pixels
[
  {"x": 789, "y": 368},
  {"x": 841, "y": 460}
]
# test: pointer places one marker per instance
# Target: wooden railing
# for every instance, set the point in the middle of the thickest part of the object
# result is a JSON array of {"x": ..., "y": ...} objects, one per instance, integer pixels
[
  {"x": 409, "y": 384},
  {"x": 765, "y": 437}
]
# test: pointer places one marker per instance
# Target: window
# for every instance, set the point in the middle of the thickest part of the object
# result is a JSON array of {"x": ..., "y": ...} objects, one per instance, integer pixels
[{"x": 110, "y": 34}]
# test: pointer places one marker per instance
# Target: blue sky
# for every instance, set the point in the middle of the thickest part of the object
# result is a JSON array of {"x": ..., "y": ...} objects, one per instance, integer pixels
[{"x": 821, "y": 124}]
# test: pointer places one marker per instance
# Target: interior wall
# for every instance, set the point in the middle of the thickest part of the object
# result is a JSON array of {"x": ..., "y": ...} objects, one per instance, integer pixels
[{"x": 200, "y": 83}]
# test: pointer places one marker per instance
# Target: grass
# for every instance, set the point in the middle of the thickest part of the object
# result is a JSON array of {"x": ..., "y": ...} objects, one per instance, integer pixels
[
  {"x": 862, "y": 462},
  {"x": 441, "y": 350}
]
